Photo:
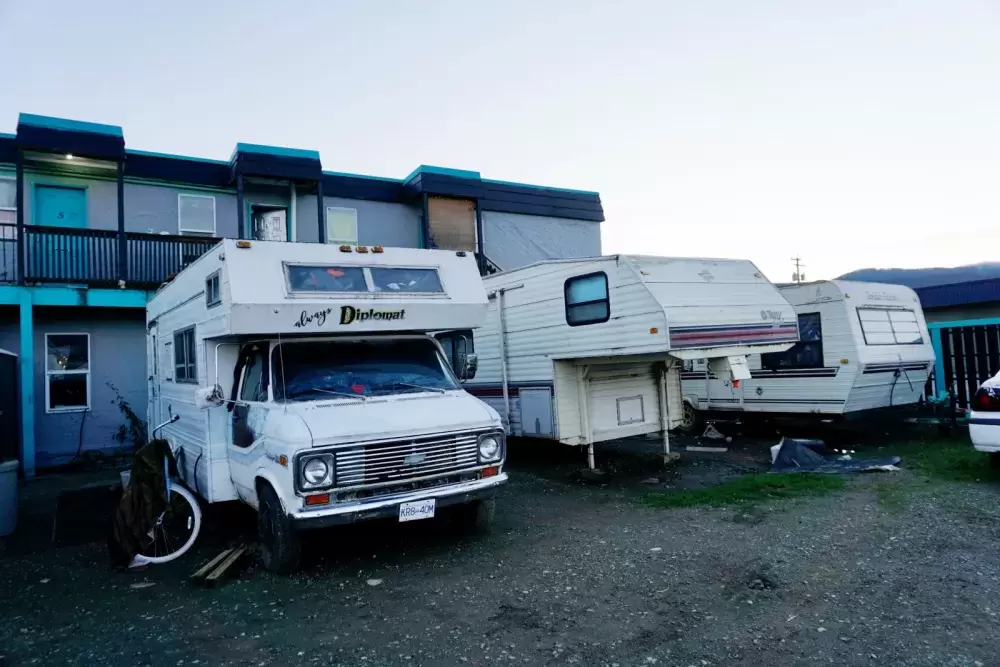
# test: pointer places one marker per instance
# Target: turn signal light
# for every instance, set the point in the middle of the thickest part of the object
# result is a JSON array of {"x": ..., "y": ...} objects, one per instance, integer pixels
[
  {"x": 492, "y": 471},
  {"x": 318, "y": 499},
  {"x": 986, "y": 400}
]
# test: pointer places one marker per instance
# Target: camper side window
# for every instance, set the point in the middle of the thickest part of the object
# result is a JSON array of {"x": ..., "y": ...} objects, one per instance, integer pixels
[
  {"x": 185, "y": 368},
  {"x": 587, "y": 299},
  {"x": 881, "y": 326},
  {"x": 807, "y": 353}
]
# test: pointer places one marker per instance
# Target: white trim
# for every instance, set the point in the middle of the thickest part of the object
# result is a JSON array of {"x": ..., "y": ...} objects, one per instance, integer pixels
[
  {"x": 326, "y": 223},
  {"x": 50, "y": 373},
  {"x": 182, "y": 230}
]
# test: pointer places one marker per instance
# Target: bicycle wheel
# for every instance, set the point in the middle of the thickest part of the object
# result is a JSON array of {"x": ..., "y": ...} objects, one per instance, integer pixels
[{"x": 174, "y": 532}]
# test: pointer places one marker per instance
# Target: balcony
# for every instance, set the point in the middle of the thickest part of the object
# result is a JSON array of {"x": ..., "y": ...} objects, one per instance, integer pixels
[{"x": 91, "y": 256}]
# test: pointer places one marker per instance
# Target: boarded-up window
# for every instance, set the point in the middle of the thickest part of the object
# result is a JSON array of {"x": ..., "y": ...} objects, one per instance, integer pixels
[{"x": 452, "y": 223}]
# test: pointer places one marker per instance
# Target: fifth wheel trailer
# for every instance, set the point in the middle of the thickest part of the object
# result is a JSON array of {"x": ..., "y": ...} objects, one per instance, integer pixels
[
  {"x": 862, "y": 347},
  {"x": 589, "y": 350}
]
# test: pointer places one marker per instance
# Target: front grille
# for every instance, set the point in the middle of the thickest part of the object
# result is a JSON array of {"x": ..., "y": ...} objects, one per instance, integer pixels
[{"x": 401, "y": 460}]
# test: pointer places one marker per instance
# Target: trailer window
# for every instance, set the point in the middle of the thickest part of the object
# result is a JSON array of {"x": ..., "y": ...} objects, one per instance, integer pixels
[
  {"x": 185, "y": 368},
  {"x": 881, "y": 326},
  {"x": 587, "y": 299},
  {"x": 405, "y": 280},
  {"x": 328, "y": 370},
  {"x": 807, "y": 353},
  {"x": 325, "y": 278}
]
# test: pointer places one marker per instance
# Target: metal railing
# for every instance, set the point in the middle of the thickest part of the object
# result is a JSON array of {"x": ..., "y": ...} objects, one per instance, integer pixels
[{"x": 91, "y": 256}]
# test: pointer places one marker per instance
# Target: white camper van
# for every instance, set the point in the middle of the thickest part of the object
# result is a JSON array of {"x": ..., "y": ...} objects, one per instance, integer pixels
[
  {"x": 862, "y": 346},
  {"x": 308, "y": 388},
  {"x": 588, "y": 350}
]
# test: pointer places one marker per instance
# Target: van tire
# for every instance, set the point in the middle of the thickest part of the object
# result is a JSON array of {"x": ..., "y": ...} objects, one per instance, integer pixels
[
  {"x": 691, "y": 420},
  {"x": 476, "y": 517},
  {"x": 995, "y": 460},
  {"x": 280, "y": 544}
]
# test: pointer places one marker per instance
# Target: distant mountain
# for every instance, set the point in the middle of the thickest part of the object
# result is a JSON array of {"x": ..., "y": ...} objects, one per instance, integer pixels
[{"x": 926, "y": 277}]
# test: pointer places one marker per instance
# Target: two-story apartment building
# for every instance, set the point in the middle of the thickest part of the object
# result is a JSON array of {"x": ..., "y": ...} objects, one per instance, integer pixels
[{"x": 90, "y": 227}]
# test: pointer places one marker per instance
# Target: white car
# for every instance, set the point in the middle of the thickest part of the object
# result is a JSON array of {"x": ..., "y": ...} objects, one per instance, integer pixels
[{"x": 984, "y": 419}]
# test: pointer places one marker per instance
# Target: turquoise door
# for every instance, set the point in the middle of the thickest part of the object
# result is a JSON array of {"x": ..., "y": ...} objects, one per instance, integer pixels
[{"x": 55, "y": 255}]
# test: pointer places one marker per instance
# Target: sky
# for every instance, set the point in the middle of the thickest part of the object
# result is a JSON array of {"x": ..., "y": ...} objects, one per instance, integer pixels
[{"x": 855, "y": 133}]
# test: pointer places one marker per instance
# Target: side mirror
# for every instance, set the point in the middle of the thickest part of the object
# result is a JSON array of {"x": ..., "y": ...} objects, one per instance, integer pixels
[
  {"x": 209, "y": 397},
  {"x": 470, "y": 364}
]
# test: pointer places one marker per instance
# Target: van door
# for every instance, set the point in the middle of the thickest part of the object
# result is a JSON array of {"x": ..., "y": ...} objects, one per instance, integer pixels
[
  {"x": 247, "y": 412},
  {"x": 153, "y": 381}
]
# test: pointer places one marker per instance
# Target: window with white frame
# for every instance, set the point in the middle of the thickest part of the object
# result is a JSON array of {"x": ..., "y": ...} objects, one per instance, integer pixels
[
  {"x": 67, "y": 372},
  {"x": 196, "y": 214},
  {"x": 341, "y": 225},
  {"x": 185, "y": 368},
  {"x": 8, "y": 201},
  {"x": 882, "y": 326}
]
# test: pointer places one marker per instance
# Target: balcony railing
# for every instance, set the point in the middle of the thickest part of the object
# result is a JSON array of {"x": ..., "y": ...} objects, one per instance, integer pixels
[{"x": 91, "y": 256}]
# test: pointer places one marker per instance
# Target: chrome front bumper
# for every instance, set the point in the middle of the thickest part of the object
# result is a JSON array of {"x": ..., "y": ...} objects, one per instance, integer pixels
[{"x": 388, "y": 506}]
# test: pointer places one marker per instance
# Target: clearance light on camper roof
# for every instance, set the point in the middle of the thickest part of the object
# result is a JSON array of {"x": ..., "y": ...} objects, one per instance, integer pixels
[
  {"x": 345, "y": 248},
  {"x": 654, "y": 330},
  {"x": 845, "y": 361},
  {"x": 377, "y": 249},
  {"x": 243, "y": 244},
  {"x": 362, "y": 249}
]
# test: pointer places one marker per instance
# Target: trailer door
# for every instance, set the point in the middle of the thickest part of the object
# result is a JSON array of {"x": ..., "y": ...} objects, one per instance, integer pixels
[{"x": 623, "y": 401}]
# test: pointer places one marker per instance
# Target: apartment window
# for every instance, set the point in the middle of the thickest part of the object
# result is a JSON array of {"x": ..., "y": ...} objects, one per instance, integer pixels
[
  {"x": 212, "y": 295},
  {"x": 587, "y": 299},
  {"x": 196, "y": 214},
  {"x": 807, "y": 353},
  {"x": 185, "y": 368},
  {"x": 881, "y": 326},
  {"x": 67, "y": 372},
  {"x": 341, "y": 225},
  {"x": 8, "y": 202}
]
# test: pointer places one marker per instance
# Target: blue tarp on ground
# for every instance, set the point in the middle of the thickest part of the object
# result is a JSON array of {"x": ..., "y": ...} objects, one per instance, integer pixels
[{"x": 804, "y": 456}]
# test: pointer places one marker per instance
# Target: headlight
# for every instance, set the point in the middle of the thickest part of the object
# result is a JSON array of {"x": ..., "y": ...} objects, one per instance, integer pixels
[
  {"x": 489, "y": 448},
  {"x": 317, "y": 472}
]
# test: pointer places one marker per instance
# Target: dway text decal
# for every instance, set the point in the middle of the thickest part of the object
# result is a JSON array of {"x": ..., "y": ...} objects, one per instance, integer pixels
[{"x": 348, "y": 315}]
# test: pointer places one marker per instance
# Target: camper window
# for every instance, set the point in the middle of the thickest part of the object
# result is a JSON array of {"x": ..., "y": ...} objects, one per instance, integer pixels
[
  {"x": 587, "y": 299},
  {"x": 185, "y": 369},
  {"x": 807, "y": 353},
  {"x": 212, "y": 295},
  {"x": 327, "y": 370},
  {"x": 254, "y": 378},
  {"x": 325, "y": 278},
  {"x": 405, "y": 280},
  {"x": 881, "y": 326}
]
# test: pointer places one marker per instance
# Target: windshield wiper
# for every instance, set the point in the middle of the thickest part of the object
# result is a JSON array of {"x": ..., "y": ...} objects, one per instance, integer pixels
[
  {"x": 360, "y": 397},
  {"x": 418, "y": 386}
]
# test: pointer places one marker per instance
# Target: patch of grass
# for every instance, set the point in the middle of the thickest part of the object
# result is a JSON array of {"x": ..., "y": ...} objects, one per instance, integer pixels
[
  {"x": 950, "y": 460},
  {"x": 749, "y": 489}
]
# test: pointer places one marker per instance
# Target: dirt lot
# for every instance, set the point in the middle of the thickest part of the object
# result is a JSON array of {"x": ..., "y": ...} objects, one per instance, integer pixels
[{"x": 894, "y": 569}]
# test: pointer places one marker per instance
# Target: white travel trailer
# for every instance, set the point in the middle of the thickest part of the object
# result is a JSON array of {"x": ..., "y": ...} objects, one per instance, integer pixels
[
  {"x": 308, "y": 388},
  {"x": 589, "y": 350},
  {"x": 862, "y": 346}
]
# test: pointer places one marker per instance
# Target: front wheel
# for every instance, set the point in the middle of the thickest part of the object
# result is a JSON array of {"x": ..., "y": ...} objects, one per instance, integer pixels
[
  {"x": 995, "y": 460},
  {"x": 175, "y": 530},
  {"x": 280, "y": 545},
  {"x": 690, "y": 419}
]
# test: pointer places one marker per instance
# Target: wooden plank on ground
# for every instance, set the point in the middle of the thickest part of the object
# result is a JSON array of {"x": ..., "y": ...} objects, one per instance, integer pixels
[
  {"x": 222, "y": 570},
  {"x": 205, "y": 569}
]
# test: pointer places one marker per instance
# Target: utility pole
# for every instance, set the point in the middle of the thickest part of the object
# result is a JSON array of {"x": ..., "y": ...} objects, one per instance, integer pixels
[{"x": 798, "y": 276}]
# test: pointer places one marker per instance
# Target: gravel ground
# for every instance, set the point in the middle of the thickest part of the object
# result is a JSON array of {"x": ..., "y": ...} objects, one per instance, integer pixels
[{"x": 897, "y": 570}]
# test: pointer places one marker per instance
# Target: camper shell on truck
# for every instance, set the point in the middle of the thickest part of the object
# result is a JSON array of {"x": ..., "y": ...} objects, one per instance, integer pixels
[
  {"x": 589, "y": 350},
  {"x": 307, "y": 385},
  {"x": 863, "y": 347}
]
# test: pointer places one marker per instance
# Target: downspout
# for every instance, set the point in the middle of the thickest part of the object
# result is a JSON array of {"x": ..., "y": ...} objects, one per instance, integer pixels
[
  {"x": 19, "y": 203},
  {"x": 503, "y": 362},
  {"x": 320, "y": 217},
  {"x": 425, "y": 223},
  {"x": 122, "y": 243},
  {"x": 240, "y": 218},
  {"x": 292, "y": 210},
  {"x": 480, "y": 252}
]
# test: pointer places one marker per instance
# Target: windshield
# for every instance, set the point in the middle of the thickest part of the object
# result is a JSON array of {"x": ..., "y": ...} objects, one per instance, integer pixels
[{"x": 314, "y": 370}]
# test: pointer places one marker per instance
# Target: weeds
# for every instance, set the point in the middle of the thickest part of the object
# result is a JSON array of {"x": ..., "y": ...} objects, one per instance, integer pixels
[
  {"x": 750, "y": 489},
  {"x": 949, "y": 460}
]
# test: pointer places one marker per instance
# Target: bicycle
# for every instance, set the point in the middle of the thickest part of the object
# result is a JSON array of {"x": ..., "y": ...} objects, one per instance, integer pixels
[{"x": 176, "y": 528}]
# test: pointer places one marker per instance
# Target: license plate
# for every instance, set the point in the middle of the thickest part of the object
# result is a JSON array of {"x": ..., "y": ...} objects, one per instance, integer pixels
[{"x": 418, "y": 509}]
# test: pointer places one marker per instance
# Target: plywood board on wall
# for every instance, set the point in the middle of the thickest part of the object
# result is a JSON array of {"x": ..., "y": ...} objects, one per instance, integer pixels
[{"x": 452, "y": 223}]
